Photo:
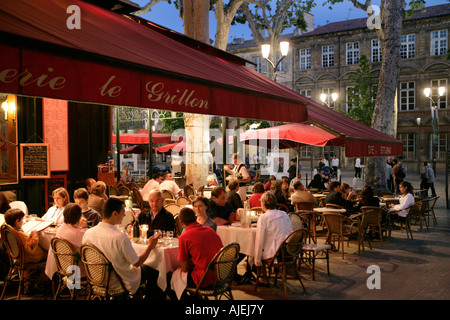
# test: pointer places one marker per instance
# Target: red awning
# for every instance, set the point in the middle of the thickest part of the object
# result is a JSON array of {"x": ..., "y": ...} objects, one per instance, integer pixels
[
  {"x": 292, "y": 135},
  {"x": 360, "y": 140},
  {"x": 141, "y": 137},
  {"x": 113, "y": 59},
  {"x": 136, "y": 149},
  {"x": 168, "y": 148}
]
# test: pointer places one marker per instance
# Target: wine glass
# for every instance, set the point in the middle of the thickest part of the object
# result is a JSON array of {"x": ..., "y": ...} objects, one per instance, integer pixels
[
  {"x": 158, "y": 232},
  {"x": 169, "y": 236}
]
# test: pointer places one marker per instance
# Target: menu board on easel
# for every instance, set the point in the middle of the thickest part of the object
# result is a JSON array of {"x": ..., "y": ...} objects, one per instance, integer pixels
[
  {"x": 56, "y": 132},
  {"x": 34, "y": 160}
]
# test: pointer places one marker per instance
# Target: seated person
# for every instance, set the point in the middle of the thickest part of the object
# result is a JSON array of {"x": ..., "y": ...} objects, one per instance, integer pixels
[
  {"x": 220, "y": 210},
  {"x": 157, "y": 217},
  {"x": 406, "y": 200},
  {"x": 153, "y": 183},
  {"x": 345, "y": 191},
  {"x": 233, "y": 197},
  {"x": 125, "y": 177},
  {"x": 98, "y": 197},
  {"x": 201, "y": 207},
  {"x": 169, "y": 184},
  {"x": 211, "y": 180},
  {"x": 255, "y": 199},
  {"x": 90, "y": 217},
  {"x": 281, "y": 195},
  {"x": 196, "y": 248},
  {"x": 33, "y": 251},
  {"x": 55, "y": 213},
  {"x": 271, "y": 229},
  {"x": 302, "y": 195},
  {"x": 335, "y": 197},
  {"x": 71, "y": 229},
  {"x": 117, "y": 248},
  {"x": 367, "y": 198},
  {"x": 317, "y": 183},
  {"x": 268, "y": 185}
]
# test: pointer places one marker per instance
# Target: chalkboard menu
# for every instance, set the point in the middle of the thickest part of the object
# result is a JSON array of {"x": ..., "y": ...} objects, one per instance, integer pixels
[{"x": 34, "y": 160}]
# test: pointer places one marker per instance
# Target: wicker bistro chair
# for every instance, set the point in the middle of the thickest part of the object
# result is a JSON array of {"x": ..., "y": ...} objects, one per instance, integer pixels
[
  {"x": 287, "y": 256},
  {"x": 16, "y": 254},
  {"x": 421, "y": 214},
  {"x": 99, "y": 272},
  {"x": 406, "y": 222},
  {"x": 374, "y": 220},
  {"x": 65, "y": 257},
  {"x": 137, "y": 198},
  {"x": 311, "y": 250},
  {"x": 337, "y": 228},
  {"x": 431, "y": 204},
  {"x": 173, "y": 208},
  {"x": 183, "y": 201},
  {"x": 189, "y": 191},
  {"x": 283, "y": 207},
  {"x": 303, "y": 206},
  {"x": 222, "y": 267}
]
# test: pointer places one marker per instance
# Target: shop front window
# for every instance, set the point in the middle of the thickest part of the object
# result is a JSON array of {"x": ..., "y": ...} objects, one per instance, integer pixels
[{"x": 8, "y": 139}]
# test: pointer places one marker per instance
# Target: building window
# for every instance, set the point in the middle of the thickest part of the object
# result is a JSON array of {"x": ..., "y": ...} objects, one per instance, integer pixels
[
  {"x": 329, "y": 101},
  {"x": 376, "y": 51},
  {"x": 407, "y": 96},
  {"x": 9, "y": 172},
  {"x": 306, "y": 93},
  {"x": 409, "y": 144},
  {"x": 442, "y": 146},
  {"x": 435, "y": 84},
  {"x": 438, "y": 42},
  {"x": 282, "y": 66},
  {"x": 352, "y": 52},
  {"x": 305, "y": 59},
  {"x": 348, "y": 101},
  {"x": 408, "y": 46},
  {"x": 259, "y": 64},
  {"x": 305, "y": 152},
  {"x": 327, "y": 56}
]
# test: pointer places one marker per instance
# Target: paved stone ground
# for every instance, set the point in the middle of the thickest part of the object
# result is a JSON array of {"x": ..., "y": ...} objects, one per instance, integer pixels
[{"x": 410, "y": 270}]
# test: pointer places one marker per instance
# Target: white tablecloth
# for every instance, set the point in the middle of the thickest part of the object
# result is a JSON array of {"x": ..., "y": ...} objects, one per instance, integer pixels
[
  {"x": 244, "y": 236},
  {"x": 163, "y": 259}
]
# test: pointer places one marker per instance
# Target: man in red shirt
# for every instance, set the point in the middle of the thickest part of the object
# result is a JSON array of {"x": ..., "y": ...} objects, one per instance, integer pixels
[{"x": 197, "y": 245}]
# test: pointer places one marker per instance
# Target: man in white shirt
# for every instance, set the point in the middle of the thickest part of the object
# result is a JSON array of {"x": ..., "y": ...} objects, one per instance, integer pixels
[
  {"x": 358, "y": 168},
  {"x": 335, "y": 164},
  {"x": 272, "y": 228},
  {"x": 169, "y": 184},
  {"x": 154, "y": 183},
  {"x": 117, "y": 248}
]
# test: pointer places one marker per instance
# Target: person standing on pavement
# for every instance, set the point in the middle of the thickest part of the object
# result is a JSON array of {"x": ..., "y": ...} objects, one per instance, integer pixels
[
  {"x": 424, "y": 179},
  {"x": 335, "y": 165},
  {"x": 358, "y": 168},
  {"x": 431, "y": 179}
]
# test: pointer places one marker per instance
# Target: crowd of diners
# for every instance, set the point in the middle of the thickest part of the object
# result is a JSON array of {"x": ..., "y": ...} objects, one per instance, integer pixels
[{"x": 93, "y": 216}]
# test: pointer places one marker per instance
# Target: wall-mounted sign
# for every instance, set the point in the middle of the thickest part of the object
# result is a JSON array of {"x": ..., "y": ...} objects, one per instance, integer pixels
[{"x": 34, "y": 160}]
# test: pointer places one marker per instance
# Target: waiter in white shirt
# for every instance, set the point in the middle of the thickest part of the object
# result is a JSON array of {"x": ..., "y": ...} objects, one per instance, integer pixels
[
  {"x": 240, "y": 173},
  {"x": 151, "y": 184},
  {"x": 169, "y": 184}
]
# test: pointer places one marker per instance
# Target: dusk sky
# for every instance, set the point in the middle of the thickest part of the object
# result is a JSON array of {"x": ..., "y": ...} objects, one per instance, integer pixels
[{"x": 166, "y": 15}]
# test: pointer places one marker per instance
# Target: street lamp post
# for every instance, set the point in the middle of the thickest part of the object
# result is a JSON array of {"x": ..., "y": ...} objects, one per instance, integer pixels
[
  {"x": 434, "y": 120},
  {"x": 324, "y": 96},
  {"x": 418, "y": 153},
  {"x": 265, "y": 49}
]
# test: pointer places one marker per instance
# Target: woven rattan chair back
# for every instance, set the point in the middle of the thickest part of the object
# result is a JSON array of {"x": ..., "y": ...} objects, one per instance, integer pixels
[
  {"x": 173, "y": 208},
  {"x": 122, "y": 190},
  {"x": 183, "y": 201},
  {"x": 167, "y": 194},
  {"x": 333, "y": 206},
  {"x": 65, "y": 255},
  {"x": 304, "y": 206},
  {"x": 99, "y": 270},
  {"x": 292, "y": 244},
  {"x": 225, "y": 262},
  {"x": 13, "y": 245},
  {"x": 282, "y": 207},
  {"x": 375, "y": 217},
  {"x": 189, "y": 191},
  {"x": 137, "y": 198},
  {"x": 222, "y": 266},
  {"x": 334, "y": 222}
]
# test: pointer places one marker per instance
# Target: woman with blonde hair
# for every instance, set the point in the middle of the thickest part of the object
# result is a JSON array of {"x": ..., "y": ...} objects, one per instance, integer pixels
[{"x": 55, "y": 213}]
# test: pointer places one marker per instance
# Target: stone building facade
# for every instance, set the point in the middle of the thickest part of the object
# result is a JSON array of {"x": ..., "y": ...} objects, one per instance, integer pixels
[{"x": 321, "y": 60}]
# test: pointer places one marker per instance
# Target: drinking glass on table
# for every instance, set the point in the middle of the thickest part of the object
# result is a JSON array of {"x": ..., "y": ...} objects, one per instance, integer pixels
[
  {"x": 169, "y": 236},
  {"x": 158, "y": 232}
]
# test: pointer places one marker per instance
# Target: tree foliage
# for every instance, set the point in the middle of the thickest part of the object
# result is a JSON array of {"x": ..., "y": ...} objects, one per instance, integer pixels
[{"x": 362, "y": 95}]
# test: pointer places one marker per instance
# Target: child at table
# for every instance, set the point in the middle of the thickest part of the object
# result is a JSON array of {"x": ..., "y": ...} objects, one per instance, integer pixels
[{"x": 33, "y": 251}]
